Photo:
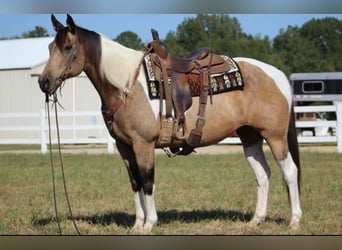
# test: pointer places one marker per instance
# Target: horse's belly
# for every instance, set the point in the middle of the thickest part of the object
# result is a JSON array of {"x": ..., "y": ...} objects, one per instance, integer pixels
[{"x": 222, "y": 117}]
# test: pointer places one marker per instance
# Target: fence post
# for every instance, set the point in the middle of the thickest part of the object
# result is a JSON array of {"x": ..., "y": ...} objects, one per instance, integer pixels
[
  {"x": 339, "y": 126},
  {"x": 43, "y": 141}
]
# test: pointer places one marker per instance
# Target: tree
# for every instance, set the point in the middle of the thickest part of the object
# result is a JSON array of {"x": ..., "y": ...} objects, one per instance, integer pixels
[
  {"x": 218, "y": 32},
  {"x": 293, "y": 49},
  {"x": 37, "y": 32},
  {"x": 314, "y": 47},
  {"x": 325, "y": 36},
  {"x": 130, "y": 40},
  {"x": 222, "y": 34}
]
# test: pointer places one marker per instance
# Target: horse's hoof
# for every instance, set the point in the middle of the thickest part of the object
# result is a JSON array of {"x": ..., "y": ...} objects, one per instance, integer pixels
[
  {"x": 294, "y": 225},
  {"x": 255, "y": 221},
  {"x": 148, "y": 227},
  {"x": 138, "y": 225}
]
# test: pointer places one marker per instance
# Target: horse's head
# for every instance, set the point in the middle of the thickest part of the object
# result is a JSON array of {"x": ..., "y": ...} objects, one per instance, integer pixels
[{"x": 66, "y": 56}]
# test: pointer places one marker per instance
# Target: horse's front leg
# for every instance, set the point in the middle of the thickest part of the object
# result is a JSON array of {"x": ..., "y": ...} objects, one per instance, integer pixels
[
  {"x": 144, "y": 154},
  {"x": 140, "y": 167},
  {"x": 128, "y": 157}
]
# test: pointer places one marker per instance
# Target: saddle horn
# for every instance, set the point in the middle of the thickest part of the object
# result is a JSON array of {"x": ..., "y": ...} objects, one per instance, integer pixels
[{"x": 155, "y": 34}]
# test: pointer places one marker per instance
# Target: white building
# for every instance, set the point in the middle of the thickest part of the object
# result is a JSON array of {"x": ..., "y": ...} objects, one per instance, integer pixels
[{"x": 21, "y": 101}]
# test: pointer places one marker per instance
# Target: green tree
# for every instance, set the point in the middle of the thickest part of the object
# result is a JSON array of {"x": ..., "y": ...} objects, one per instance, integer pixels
[
  {"x": 293, "y": 49},
  {"x": 325, "y": 36},
  {"x": 222, "y": 34},
  {"x": 130, "y": 40},
  {"x": 314, "y": 47},
  {"x": 218, "y": 32},
  {"x": 38, "y": 31}
]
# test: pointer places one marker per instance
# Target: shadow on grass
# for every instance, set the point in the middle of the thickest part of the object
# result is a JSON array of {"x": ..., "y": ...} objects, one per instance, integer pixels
[{"x": 164, "y": 217}]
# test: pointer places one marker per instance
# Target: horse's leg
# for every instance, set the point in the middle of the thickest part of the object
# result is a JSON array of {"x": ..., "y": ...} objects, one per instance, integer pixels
[
  {"x": 144, "y": 154},
  {"x": 252, "y": 145},
  {"x": 128, "y": 157},
  {"x": 279, "y": 147}
]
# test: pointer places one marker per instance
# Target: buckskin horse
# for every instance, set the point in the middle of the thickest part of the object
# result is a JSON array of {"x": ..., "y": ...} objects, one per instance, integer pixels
[{"x": 262, "y": 110}]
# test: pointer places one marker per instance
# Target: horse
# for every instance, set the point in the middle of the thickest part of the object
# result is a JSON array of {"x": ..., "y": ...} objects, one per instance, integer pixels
[{"x": 261, "y": 111}]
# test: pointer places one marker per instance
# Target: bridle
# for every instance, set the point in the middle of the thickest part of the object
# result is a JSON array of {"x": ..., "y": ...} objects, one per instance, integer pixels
[{"x": 68, "y": 65}]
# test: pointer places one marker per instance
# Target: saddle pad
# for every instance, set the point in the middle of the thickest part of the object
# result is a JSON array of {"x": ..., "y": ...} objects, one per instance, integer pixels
[{"x": 220, "y": 83}]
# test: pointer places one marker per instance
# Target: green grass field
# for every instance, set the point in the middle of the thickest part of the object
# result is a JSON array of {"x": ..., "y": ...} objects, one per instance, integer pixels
[{"x": 198, "y": 194}]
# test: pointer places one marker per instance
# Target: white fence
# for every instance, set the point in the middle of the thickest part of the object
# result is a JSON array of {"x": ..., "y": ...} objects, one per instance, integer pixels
[
  {"x": 71, "y": 127},
  {"x": 335, "y": 125},
  {"x": 74, "y": 128}
]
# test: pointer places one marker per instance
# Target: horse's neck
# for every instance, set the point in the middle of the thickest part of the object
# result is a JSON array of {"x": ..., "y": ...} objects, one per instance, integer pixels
[
  {"x": 112, "y": 71},
  {"x": 118, "y": 63}
]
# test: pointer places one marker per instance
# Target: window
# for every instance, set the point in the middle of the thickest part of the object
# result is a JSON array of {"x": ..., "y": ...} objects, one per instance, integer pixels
[{"x": 313, "y": 87}]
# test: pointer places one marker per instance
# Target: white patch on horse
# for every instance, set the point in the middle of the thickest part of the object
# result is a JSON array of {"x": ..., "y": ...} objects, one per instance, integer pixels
[
  {"x": 257, "y": 161},
  {"x": 154, "y": 103},
  {"x": 140, "y": 210},
  {"x": 290, "y": 172},
  {"x": 278, "y": 76},
  {"x": 151, "y": 213},
  {"x": 118, "y": 74}
]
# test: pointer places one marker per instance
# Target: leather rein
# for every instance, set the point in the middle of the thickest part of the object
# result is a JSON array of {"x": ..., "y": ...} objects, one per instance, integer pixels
[{"x": 54, "y": 103}]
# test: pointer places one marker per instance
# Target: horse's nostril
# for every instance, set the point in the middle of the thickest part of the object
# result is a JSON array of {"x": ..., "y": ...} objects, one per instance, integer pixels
[{"x": 44, "y": 84}]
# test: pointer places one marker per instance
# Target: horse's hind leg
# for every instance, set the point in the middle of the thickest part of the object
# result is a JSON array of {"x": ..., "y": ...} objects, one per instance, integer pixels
[
  {"x": 284, "y": 159},
  {"x": 252, "y": 145}
]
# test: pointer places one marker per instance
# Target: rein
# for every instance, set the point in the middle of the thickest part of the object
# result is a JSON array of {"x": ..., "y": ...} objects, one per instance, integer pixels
[{"x": 55, "y": 102}]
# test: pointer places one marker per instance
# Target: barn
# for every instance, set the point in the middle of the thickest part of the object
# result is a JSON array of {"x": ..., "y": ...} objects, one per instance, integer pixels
[{"x": 22, "y": 102}]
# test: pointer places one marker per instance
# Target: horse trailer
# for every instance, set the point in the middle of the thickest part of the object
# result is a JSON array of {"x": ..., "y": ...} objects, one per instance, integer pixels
[
  {"x": 322, "y": 88},
  {"x": 316, "y": 87}
]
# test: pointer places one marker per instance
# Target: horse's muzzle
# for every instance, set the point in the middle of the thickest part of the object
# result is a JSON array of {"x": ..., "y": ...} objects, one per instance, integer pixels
[
  {"x": 47, "y": 85},
  {"x": 44, "y": 84}
]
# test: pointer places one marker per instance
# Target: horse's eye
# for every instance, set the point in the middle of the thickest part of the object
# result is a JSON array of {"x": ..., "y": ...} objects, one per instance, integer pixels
[{"x": 67, "y": 47}]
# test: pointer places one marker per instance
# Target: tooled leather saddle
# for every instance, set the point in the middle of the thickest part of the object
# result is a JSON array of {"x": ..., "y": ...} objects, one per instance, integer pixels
[{"x": 177, "y": 80}]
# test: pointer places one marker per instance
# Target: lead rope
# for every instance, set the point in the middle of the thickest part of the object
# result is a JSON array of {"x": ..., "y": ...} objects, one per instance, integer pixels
[
  {"x": 47, "y": 110},
  {"x": 55, "y": 101}
]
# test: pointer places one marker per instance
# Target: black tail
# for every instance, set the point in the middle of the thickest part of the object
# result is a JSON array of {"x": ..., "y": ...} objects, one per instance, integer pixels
[{"x": 293, "y": 145}]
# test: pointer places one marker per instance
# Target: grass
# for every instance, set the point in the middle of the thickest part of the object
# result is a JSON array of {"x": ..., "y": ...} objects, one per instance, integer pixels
[{"x": 199, "y": 194}]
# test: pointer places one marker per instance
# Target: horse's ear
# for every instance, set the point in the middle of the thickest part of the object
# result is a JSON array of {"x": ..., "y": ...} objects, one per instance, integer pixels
[
  {"x": 71, "y": 24},
  {"x": 56, "y": 24}
]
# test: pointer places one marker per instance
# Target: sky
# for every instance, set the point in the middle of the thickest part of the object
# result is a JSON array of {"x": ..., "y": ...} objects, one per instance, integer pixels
[{"x": 112, "y": 25}]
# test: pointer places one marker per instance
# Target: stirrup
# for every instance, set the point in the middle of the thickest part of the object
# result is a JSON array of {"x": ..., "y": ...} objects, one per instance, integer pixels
[{"x": 180, "y": 151}]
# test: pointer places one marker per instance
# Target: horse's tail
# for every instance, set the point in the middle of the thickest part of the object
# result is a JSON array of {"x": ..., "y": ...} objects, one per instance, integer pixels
[{"x": 293, "y": 145}]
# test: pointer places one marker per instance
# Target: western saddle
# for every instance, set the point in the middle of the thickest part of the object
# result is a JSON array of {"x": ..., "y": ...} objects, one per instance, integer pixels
[{"x": 179, "y": 80}]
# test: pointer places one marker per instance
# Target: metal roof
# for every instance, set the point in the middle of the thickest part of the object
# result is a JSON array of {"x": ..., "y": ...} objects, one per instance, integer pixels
[{"x": 24, "y": 53}]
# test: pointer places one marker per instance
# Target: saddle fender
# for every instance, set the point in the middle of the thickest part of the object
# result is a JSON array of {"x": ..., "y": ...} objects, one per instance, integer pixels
[{"x": 181, "y": 95}]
